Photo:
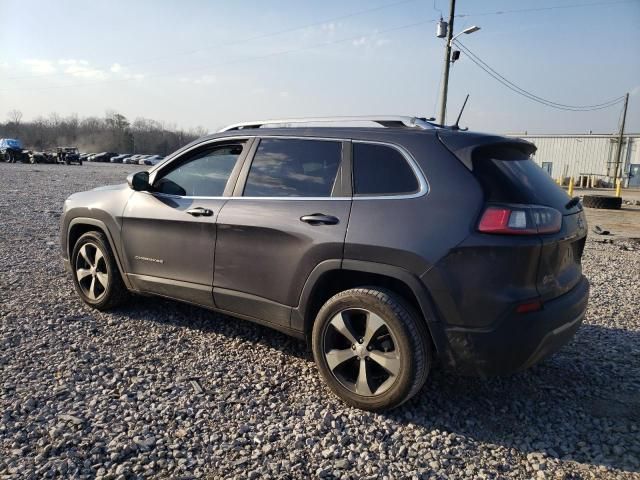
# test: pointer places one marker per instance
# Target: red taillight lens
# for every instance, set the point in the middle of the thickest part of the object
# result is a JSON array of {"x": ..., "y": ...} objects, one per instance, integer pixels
[
  {"x": 520, "y": 220},
  {"x": 528, "y": 307}
]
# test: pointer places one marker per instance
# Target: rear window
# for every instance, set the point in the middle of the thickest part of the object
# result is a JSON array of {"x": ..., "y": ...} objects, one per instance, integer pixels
[
  {"x": 510, "y": 176},
  {"x": 381, "y": 170}
]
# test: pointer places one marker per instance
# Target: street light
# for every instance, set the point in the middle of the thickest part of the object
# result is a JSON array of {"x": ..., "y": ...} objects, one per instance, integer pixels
[
  {"x": 447, "y": 61},
  {"x": 467, "y": 31}
]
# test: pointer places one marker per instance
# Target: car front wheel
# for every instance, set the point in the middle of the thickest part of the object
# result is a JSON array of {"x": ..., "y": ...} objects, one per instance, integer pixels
[
  {"x": 95, "y": 274},
  {"x": 371, "y": 348}
]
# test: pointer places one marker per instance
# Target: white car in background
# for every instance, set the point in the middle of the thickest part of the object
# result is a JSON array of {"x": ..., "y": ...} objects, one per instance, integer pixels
[
  {"x": 150, "y": 160},
  {"x": 133, "y": 159}
]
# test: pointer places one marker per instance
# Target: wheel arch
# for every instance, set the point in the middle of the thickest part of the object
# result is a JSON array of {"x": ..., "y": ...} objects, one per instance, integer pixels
[
  {"x": 81, "y": 225},
  {"x": 333, "y": 276}
]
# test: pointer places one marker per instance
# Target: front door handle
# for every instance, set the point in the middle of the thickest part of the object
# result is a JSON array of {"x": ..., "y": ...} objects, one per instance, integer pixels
[
  {"x": 319, "y": 219},
  {"x": 200, "y": 212}
]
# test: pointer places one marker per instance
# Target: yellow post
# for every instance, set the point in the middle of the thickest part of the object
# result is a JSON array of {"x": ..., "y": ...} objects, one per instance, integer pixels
[
  {"x": 618, "y": 186},
  {"x": 570, "y": 192}
]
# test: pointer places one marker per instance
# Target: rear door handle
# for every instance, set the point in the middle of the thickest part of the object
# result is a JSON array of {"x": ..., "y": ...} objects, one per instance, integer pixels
[
  {"x": 200, "y": 212},
  {"x": 319, "y": 219}
]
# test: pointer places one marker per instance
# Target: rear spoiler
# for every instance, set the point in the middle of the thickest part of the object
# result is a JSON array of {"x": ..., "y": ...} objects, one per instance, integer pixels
[{"x": 465, "y": 145}]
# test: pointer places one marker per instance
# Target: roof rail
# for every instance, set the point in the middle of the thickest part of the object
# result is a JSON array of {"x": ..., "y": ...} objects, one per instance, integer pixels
[{"x": 384, "y": 120}]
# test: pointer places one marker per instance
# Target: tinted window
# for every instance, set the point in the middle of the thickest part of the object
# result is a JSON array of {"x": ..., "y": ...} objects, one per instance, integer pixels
[
  {"x": 381, "y": 170},
  {"x": 293, "y": 168},
  {"x": 510, "y": 176},
  {"x": 204, "y": 175}
]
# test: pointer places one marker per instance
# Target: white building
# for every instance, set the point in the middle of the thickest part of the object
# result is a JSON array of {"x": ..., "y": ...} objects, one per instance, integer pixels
[{"x": 591, "y": 154}]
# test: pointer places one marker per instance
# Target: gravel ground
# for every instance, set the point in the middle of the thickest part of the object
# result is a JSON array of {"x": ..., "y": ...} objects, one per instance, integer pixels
[{"x": 162, "y": 389}]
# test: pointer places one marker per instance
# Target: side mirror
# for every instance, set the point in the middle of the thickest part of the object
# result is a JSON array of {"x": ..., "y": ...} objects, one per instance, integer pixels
[{"x": 139, "y": 181}]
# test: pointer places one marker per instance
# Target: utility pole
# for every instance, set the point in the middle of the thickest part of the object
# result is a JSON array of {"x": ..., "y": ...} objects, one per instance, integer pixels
[
  {"x": 620, "y": 136},
  {"x": 444, "y": 87}
]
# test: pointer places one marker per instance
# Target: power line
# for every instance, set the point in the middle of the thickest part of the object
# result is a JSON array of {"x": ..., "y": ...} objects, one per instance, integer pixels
[
  {"x": 328, "y": 20},
  {"x": 540, "y": 9},
  {"x": 521, "y": 91},
  {"x": 234, "y": 62},
  {"x": 235, "y": 42}
]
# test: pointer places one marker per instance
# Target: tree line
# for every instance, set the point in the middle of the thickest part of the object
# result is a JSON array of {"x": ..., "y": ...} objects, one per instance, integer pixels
[{"x": 111, "y": 133}]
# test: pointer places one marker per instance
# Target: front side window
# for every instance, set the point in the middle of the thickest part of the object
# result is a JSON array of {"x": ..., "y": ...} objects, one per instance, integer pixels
[
  {"x": 203, "y": 175},
  {"x": 293, "y": 168},
  {"x": 381, "y": 170}
]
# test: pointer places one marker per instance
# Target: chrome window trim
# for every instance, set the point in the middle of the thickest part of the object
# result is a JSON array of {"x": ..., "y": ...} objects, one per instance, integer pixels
[
  {"x": 417, "y": 171},
  {"x": 153, "y": 172},
  {"x": 299, "y": 137}
]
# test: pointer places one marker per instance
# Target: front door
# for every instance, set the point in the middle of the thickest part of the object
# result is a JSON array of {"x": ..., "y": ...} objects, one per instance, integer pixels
[
  {"x": 169, "y": 234},
  {"x": 292, "y": 214}
]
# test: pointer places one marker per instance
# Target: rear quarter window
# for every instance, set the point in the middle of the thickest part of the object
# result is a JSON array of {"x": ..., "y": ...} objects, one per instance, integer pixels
[{"x": 381, "y": 170}]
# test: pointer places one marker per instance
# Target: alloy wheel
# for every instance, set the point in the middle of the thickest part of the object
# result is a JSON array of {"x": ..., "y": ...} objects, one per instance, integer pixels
[
  {"x": 361, "y": 352},
  {"x": 91, "y": 271}
]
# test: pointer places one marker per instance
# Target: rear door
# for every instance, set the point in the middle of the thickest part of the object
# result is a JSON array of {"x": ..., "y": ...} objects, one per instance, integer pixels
[
  {"x": 169, "y": 234},
  {"x": 289, "y": 212}
]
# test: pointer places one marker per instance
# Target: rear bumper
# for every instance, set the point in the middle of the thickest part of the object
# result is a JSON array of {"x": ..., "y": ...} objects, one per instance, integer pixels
[{"x": 517, "y": 341}]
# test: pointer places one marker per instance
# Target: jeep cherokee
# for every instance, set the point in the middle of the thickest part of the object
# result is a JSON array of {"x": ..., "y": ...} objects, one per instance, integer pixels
[{"x": 387, "y": 249}]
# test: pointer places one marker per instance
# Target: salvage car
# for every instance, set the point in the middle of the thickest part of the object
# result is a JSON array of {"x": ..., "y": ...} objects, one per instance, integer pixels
[
  {"x": 42, "y": 157},
  {"x": 102, "y": 157},
  {"x": 150, "y": 160},
  {"x": 68, "y": 155},
  {"x": 11, "y": 151},
  {"x": 389, "y": 250},
  {"x": 120, "y": 158},
  {"x": 134, "y": 159}
]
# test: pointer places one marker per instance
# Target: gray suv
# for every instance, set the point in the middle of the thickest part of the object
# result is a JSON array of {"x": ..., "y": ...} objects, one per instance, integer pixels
[{"x": 388, "y": 249}]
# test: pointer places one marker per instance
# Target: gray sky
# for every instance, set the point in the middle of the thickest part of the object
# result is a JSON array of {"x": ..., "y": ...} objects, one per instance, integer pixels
[{"x": 210, "y": 63}]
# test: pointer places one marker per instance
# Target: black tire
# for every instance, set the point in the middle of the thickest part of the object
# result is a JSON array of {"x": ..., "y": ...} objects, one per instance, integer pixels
[
  {"x": 10, "y": 158},
  {"x": 405, "y": 331},
  {"x": 602, "y": 201},
  {"x": 109, "y": 296}
]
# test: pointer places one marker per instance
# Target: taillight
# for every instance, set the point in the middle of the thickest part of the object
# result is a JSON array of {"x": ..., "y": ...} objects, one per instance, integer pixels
[
  {"x": 520, "y": 220},
  {"x": 530, "y": 306}
]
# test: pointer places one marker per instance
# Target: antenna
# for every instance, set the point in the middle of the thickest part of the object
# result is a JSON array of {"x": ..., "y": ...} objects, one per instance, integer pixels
[{"x": 455, "y": 126}]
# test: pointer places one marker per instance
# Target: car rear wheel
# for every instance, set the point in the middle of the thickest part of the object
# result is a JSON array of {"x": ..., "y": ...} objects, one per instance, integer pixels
[
  {"x": 95, "y": 274},
  {"x": 371, "y": 348}
]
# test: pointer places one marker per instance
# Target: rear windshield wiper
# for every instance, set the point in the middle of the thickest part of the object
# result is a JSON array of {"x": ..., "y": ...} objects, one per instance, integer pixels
[{"x": 572, "y": 203}]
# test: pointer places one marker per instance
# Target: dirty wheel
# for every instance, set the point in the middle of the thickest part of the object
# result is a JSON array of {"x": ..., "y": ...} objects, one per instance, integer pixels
[
  {"x": 95, "y": 273},
  {"x": 371, "y": 348}
]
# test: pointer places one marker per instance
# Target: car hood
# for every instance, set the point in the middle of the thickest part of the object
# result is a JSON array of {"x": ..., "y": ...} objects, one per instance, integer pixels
[{"x": 120, "y": 186}]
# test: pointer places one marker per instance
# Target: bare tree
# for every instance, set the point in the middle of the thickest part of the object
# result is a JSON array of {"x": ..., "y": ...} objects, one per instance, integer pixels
[
  {"x": 112, "y": 133},
  {"x": 14, "y": 117}
]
